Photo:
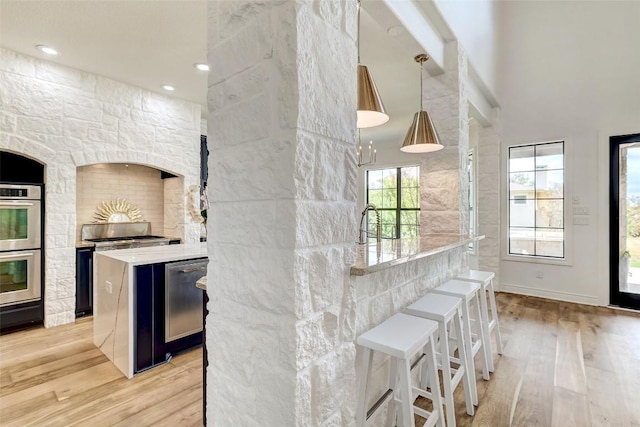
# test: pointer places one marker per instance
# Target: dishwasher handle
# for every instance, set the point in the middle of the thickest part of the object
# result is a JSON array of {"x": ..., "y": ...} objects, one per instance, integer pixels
[{"x": 191, "y": 270}]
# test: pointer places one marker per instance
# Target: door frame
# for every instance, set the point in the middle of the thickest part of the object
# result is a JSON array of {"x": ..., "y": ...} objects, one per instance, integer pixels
[{"x": 616, "y": 297}]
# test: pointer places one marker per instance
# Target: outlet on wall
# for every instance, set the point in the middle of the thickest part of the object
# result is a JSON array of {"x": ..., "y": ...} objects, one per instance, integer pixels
[
  {"x": 108, "y": 286},
  {"x": 539, "y": 274}
]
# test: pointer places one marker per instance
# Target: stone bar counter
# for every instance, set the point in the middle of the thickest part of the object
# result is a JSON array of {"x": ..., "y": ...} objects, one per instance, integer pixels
[{"x": 388, "y": 276}]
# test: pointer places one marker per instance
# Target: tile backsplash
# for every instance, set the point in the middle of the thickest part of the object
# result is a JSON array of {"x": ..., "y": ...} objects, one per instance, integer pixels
[{"x": 140, "y": 185}]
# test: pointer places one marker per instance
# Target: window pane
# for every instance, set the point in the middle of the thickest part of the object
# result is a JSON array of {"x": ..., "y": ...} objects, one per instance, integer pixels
[
  {"x": 389, "y": 199},
  {"x": 374, "y": 179},
  {"x": 389, "y": 178},
  {"x": 550, "y": 213},
  {"x": 549, "y": 184},
  {"x": 410, "y": 231},
  {"x": 550, "y": 243},
  {"x": 388, "y": 223},
  {"x": 521, "y": 159},
  {"x": 522, "y": 214},
  {"x": 375, "y": 197},
  {"x": 410, "y": 176},
  {"x": 521, "y": 183},
  {"x": 410, "y": 198},
  {"x": 410, "y": 217},
  {"x": 522, "y": 241},
  {"x": 549, "y": 156}
]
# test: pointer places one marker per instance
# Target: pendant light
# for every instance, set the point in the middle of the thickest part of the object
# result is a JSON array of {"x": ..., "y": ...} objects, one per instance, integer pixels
[
  {"x": 371, "y": 110},
  {"x": 422, "y": 136}
]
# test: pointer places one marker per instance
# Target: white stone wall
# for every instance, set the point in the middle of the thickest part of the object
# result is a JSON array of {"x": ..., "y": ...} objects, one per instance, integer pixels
[
  {"x": 488, "y": 163},
  {"x": 380, "y": 295},
  {"x": 444, "y": 184},
  {"x": 66, "y": 118},
  {"x": 282, "y": 177}
]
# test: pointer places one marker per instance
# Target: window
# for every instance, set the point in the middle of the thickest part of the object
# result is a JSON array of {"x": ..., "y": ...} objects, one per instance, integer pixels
[
  {"x": 396, "y": 194},
  {"x": 536, "y": 200},
  {"x": 473, "y": 216}
]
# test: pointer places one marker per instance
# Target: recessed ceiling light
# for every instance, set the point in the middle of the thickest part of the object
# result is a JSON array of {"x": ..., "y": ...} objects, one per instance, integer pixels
[
  {"x": 46, "y": 49},
  {"x": 168, "y": 87},
  {"x": 201, "y": 67}
]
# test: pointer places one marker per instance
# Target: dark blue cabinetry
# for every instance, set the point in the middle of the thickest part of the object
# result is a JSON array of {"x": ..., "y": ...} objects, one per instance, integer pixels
[
  {"x": 150, "y": 347},
  {"x": 84, "y": 281}
]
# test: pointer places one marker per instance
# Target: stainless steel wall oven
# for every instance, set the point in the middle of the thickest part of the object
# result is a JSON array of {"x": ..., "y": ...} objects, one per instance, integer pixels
[{"x": 20, "y": 243}]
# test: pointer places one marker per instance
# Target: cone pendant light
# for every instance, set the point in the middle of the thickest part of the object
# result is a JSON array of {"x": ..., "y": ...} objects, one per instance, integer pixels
[
  {"x": 422, "y": 136},
  {"x": 371, "y": 110}
]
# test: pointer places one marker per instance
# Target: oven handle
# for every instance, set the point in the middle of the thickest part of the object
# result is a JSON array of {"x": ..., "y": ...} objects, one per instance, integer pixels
[
  {"x": 191, "y": 270},
  {"x": 16, "y": 203},
  {"x": 22, "y": 255}
]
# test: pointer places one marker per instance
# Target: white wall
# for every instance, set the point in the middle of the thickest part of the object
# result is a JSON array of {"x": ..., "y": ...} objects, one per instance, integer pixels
[
  {"x": 65, "y": 119},
  {"x": 475, "y": 25},
  {"x": 570, "y": 70}
]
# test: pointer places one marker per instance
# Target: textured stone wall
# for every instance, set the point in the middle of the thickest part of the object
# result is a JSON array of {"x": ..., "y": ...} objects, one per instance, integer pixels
[
  {"x": 282, "y": 172},
  {"x": 384, "y": 293},
  {"x": 489, "y": 200},
  {"x": 66, "y": 118},
  {"x": 444, "y": 184}
]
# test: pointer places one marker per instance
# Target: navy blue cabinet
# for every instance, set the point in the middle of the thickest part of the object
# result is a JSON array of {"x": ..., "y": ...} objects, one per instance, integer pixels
[
  {"x": 151, "y": 347},
  {"x": 84, "y": 281}
]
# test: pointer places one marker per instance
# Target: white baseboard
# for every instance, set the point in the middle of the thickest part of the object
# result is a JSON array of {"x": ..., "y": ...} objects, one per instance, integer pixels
[{"x": 549, "y": 294}]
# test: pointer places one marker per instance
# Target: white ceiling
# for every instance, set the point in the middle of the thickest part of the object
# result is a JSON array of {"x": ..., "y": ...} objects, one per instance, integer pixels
[{"x": 148, "y": 43}]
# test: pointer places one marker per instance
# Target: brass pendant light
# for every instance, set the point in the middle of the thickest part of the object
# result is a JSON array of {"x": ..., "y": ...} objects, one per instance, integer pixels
[
  {"x": 422, "y": 136},
  {"x": 371, "y": 111}
]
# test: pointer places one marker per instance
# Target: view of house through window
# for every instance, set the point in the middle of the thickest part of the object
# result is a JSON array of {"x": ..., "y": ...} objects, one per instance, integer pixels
[
  {"x": 536, "y": 200},
  {"x": 396, "y": 194}
]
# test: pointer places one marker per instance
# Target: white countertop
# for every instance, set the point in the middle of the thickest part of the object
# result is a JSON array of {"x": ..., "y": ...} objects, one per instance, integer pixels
[
  {"x": 157, "y": 254},
  {"x": 372, "y": 257}
]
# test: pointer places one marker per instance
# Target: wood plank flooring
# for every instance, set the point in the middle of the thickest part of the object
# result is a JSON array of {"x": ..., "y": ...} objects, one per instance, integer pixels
[
  {"x": 563, "y": 365},
  {"x": 57, "y": 377}
]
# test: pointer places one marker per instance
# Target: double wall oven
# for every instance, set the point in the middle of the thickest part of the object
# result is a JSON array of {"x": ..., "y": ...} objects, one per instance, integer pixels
[{"x": 20, "y": 244}]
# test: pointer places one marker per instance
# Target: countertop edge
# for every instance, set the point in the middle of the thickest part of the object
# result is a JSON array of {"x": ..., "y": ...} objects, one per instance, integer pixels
[
  {"x": 202, "y": 283},
  {"x": 363, "y": 271}
]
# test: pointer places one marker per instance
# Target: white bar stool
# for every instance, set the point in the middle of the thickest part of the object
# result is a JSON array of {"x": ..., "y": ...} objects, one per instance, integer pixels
[
  {"x": 485, "y": 279},
  {"x": 402, "y": 337},
  {"x": 469, "y": 292},
  {"x": 447, "y": 311}
]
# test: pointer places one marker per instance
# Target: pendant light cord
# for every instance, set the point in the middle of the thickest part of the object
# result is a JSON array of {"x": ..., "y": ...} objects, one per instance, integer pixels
[
  {"x": 358, "y": 34},
  {"x": 421, "y": 65}
]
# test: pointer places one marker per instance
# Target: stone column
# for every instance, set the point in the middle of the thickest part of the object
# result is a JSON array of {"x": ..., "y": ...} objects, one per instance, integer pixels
[
  {"x": 489, "y": 211},
  {"x": 282, "y": 218},
  {"x": 444, "y": 202}
]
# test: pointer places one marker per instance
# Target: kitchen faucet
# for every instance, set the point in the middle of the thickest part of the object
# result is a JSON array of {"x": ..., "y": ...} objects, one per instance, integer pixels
[{"x": 368, "y": 207}]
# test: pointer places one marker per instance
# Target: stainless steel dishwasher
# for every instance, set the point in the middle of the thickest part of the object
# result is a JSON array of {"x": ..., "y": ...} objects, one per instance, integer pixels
[{"x": 183, "y": 300}]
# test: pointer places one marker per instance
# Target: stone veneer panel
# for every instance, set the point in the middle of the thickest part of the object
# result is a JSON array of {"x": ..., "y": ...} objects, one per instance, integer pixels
[
  {"x": 282, "y": 176},
  {"x": 66, "y": 118}
]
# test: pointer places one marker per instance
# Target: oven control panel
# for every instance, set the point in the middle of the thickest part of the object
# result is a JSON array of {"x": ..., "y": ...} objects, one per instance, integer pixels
[{"x": 19, "y": 192}]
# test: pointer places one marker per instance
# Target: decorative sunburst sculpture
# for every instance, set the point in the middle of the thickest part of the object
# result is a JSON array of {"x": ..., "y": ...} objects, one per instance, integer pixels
[{"x": 118, "y": 210}]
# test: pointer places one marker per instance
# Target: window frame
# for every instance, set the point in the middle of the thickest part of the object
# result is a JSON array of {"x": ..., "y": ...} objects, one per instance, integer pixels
[
  {"x": 567, "y": 260},
  {"x": 399, "y": 209}
]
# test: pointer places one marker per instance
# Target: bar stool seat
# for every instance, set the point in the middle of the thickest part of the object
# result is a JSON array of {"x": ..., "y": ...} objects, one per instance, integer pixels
[
  {"x": 447, "y": 311},
  {"x": 485, "y": 279},
  {"x": 469, "y": 292},
  {"x": 402, "y": 337}
]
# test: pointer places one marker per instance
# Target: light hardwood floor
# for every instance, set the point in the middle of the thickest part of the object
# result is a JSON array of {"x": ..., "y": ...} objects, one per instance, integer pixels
[{"x": 564, "y": 365}]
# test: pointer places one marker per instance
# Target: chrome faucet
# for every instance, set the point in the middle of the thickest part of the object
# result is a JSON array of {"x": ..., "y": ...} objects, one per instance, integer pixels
[{"x": 363, "y": 232}]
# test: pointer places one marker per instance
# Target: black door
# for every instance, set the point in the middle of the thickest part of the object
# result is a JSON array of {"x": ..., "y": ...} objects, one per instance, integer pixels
[{"x": 624, "y": 234}]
